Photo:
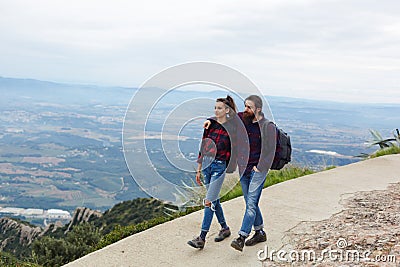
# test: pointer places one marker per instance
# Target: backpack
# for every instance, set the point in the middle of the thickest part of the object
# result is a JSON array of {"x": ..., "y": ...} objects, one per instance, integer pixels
[{"x": 283, "y": 149}]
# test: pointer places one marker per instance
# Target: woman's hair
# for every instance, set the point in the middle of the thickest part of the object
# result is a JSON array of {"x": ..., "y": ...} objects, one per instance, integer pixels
[{"x": 230, "y": 103}]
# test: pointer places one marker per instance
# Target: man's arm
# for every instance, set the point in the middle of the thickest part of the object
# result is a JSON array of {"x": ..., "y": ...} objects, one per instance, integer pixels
[{"x": 206, "y": 124}]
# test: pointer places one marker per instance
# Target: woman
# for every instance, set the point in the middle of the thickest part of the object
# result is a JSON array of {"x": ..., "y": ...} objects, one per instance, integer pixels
[{"x": 214, "y": 157}]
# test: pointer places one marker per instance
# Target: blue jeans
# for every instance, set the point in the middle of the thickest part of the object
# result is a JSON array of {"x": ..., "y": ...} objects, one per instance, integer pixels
[
  {"x": 214, "y": 175},
  {"x": 252, "y": 185}
]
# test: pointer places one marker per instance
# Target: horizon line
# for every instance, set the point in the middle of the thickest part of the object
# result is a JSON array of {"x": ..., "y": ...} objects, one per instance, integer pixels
[{"x": 194, "y": 90}]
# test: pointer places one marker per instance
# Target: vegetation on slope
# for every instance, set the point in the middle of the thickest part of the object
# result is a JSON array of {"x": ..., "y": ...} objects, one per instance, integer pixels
[{"x": 387, "y": 146}]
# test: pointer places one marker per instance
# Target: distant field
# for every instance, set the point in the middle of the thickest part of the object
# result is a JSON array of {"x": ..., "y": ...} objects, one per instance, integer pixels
[{"x": 58, "y": 150}]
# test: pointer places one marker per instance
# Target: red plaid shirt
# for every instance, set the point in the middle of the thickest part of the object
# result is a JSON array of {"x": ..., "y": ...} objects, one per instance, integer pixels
[{"x": 216, "y": 142}]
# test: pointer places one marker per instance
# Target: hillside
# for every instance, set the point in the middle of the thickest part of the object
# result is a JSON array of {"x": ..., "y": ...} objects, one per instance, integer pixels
[
  {"x": 128, "y": 213},
  {"x": 17, "y": 237}
]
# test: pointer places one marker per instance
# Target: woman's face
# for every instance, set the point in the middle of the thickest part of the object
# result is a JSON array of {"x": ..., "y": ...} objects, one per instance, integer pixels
[{"x": 220, "y": 110}]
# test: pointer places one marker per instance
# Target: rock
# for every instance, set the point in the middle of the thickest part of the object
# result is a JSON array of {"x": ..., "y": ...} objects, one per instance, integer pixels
[
  {"x": 370, "y": 241},
  {"x": 82, "y": 214},
  {"x": 371, "y": 221}
]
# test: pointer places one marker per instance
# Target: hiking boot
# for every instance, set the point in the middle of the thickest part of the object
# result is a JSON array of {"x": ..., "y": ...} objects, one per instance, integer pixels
[
  {"x": 238, "y": 243},
  {"x": 197, "y": 242},
  {"x": 258, "y": 237},
  {"x": 223, "y": 233}
]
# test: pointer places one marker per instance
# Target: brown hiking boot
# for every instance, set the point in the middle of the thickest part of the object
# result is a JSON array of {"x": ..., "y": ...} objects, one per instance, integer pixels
[
  {"x": 197, "y": 242},
  {"x": 258, "y": 237},
  {"x": 238, "y": 243},
  {"x": 223, "y": 233}
]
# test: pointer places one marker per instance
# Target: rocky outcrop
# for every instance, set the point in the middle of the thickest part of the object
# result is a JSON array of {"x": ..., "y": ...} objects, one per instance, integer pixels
[
  {"x": 12, "y": 231},
  {"x": 82, "y": 214},
  {"x": 52, "y": 227},
  {"x": 16, "y": 236}
]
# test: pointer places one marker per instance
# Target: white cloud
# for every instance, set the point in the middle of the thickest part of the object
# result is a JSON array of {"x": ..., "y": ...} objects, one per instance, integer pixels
[{"x": 292, "y": 48}]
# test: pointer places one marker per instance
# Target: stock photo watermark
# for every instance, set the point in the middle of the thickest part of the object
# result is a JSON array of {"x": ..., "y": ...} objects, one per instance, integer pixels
[{"x": 342, "y": 253}]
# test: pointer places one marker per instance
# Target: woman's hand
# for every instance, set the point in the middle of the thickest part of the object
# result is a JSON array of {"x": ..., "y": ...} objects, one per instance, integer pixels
[
  {"x": 206, "y": 124},
  {"x": 198, "y": 177}
]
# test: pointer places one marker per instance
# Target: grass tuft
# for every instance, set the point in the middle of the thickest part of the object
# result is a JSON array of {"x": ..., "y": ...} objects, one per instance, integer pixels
[{"x": 386, "y": 151}]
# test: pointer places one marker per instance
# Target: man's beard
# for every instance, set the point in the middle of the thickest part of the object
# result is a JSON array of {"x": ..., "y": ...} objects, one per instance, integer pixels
[{"x": 248, "y": 117}]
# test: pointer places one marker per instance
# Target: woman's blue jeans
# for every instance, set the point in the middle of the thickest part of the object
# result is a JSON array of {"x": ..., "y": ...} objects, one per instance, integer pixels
[
  {"x": 252, "y": 185},
  {"x": 214, "y": 175}
]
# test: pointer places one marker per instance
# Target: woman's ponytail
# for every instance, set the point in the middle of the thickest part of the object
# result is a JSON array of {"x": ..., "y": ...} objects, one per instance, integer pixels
[
  {"x": 232, "y": 106},
  {"x": 231, "y": 103}
]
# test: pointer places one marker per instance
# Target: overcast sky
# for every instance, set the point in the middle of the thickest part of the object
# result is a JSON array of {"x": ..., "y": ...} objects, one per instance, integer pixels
[{"x": 345, "y": 50}]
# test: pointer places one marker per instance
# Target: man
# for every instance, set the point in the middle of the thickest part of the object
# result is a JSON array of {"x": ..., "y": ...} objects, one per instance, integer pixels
[{"x": 255, "y": 153}]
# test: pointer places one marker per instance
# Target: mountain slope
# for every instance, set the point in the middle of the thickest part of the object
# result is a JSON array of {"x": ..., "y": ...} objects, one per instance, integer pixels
[{"x": 17, "y": 237}]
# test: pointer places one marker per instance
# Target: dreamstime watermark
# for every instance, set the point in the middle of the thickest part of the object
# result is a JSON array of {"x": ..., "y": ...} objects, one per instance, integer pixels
[
  {"x": 162, "y": 117},
  {"x": 341, "y": 254}
]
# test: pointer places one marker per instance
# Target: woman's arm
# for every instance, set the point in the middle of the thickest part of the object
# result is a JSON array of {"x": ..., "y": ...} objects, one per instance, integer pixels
[{"x": 198, "y": 174}]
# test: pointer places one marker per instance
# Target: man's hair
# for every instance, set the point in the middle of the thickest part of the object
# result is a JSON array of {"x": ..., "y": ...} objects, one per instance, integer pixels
[{"x": 256, "y": 100}]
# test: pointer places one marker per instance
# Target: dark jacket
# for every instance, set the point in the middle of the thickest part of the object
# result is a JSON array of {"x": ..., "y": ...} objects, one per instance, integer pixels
[{"x": 268, "y": 146}]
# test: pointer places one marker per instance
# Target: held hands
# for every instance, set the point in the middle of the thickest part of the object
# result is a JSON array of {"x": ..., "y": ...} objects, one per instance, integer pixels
[{"x": 206, "y": 124}]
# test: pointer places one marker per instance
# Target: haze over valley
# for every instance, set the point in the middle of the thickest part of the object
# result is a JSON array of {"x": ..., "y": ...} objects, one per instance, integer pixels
[{"x": 60, "y": 144}]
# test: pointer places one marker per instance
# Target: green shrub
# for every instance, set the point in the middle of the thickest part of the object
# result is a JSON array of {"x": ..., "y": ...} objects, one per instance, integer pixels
[
  {"x": 386, "y": 151},
  {"x": 7, "y": 259},
  {"x": 387, "y": 146},
  {"x": 50, "y": 251},
  {"x": 129, "y": 212},
  {"x": 286, "y": 174},
  {"x": 235, "y": 192}
]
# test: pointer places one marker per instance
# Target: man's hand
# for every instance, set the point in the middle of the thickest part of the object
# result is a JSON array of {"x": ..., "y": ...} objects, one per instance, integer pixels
[
  {"x": 206, "y": 124},
  {"x": 255, "y": 169}
]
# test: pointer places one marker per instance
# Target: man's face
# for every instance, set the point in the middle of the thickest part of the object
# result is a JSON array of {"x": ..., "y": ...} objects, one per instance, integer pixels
[
  {"x": 249, "y": 111},
  {"x": 249, "y": 108}
]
